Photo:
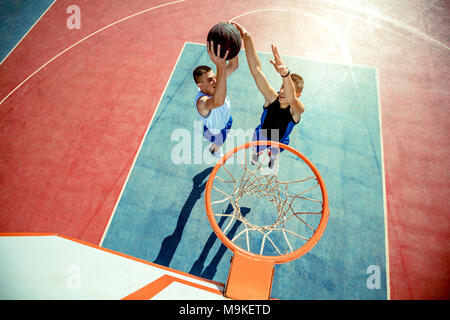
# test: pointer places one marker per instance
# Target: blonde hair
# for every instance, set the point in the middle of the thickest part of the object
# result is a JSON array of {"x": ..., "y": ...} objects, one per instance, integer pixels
[{"x": 298, "y": 82}]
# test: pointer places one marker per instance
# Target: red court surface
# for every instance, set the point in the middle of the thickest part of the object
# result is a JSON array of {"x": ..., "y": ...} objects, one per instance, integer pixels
[{"x": 76, "y": 104}]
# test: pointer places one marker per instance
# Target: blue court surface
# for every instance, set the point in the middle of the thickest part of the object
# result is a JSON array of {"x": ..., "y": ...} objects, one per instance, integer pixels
[
  {"x": 17, "y": 18},
  {"x": 161, "y": 217}
]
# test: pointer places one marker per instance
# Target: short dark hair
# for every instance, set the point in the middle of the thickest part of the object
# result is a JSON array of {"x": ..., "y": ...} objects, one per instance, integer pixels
[
  {"x": 199, "y": 71},
  {"x": 298, "y": 82}
]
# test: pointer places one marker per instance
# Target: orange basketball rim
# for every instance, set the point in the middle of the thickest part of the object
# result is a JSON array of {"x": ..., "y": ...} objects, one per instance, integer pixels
[{"x": 247, "y": 259}]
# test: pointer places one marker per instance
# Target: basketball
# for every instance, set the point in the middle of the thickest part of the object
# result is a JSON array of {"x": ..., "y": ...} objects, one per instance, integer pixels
[{"x": 229, "y": 38}]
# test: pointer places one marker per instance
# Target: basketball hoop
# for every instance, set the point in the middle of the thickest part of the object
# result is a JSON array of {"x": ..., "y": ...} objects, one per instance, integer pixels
[{"x": 286, "y": 213}]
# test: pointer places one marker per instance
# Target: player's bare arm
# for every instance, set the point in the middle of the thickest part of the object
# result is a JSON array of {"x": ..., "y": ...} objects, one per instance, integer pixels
[
  {"x": 233, "y": 64},
  {"x": 205, "y": 104},
  {"x": 288, "y": 84},
  {"x": 269, "y": 93}
]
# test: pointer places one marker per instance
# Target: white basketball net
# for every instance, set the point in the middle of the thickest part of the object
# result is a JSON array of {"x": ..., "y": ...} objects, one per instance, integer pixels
[{"x": 268, "y": 187}]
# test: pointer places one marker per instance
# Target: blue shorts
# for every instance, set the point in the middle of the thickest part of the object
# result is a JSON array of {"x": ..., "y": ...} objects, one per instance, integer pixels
[
  {"x": 258, "y": 135},
  {"x": 218, "y": 139}
]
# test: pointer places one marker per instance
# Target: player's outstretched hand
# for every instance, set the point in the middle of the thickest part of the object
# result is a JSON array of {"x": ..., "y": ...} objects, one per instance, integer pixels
[
  {"x": 278, "y": 64},
  {"x": 244, "y": 32},
  {"x": 216, "y": 59}
]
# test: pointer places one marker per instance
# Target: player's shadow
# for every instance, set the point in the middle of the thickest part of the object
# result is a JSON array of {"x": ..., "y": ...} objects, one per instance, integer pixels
[
  {"x": 171, "y": 242},
  {"x": 209, "y": 272}
]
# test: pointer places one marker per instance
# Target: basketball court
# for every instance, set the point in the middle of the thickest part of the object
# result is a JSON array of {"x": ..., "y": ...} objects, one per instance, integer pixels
[{"x": 102, "y": 146}]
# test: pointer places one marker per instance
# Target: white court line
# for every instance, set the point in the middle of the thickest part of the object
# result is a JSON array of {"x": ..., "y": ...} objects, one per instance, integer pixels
[
  {"x": 77, "y": 43},
  {"x": 385, "y": 18},
  {"x": 140, "y": 147},
  {"x": 82, "y": 40},
  {"x": 345, "y": 49},
  {"x": 383, "y": 177},
  {"x": 27, "y": 32}
]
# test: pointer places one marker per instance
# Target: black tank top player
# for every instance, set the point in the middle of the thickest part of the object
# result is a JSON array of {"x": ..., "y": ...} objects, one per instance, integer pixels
[{"x": 274, "y": 117}]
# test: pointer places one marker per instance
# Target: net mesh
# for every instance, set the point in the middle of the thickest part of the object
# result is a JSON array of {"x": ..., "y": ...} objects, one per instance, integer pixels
[{"x": 286, "y": 211}]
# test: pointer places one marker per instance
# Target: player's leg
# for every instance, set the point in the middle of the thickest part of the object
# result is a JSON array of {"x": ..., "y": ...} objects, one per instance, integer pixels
[
  {"x": 274, "y": 152},
  {"x": 258, "y": 150},
  {"x": 217, "y": 140},
  {"x": 214, "y": 149}
]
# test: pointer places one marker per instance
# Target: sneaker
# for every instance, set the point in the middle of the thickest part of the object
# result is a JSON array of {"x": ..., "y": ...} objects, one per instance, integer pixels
[
  {"x": 218, "y": 154},
  {"x": 272, "y": 162},
  {"x": 254, "y": 158}
]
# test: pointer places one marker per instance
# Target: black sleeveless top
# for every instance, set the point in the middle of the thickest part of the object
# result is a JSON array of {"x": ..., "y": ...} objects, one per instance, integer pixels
[{"x": 274, "y": 117}]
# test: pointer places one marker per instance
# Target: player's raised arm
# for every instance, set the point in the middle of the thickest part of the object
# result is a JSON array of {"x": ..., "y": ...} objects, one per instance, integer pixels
[
  {"x": 220, "y": 93},
  {"x": 254, "y": 64},
  {"x": 233, "y": 64},
  {"x": 290, "y": 93}
]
